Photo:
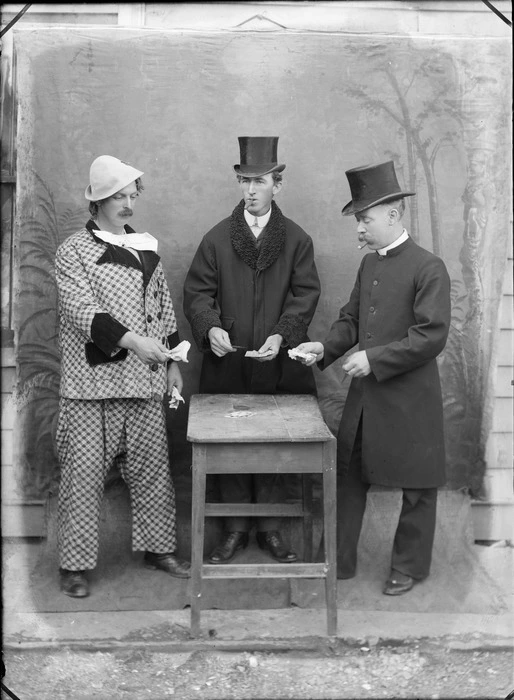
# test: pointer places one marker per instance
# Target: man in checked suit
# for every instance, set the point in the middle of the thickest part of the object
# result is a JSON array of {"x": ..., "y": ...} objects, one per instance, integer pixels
[
  {"x": 117, "y": 329},
  {"x": 391, "y": 431}
]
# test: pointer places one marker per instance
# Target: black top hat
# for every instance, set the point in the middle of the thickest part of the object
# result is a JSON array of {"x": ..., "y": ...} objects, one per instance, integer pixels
[
  {"x": 371, "y": 185},
  {"x": 258, "y": 156}
]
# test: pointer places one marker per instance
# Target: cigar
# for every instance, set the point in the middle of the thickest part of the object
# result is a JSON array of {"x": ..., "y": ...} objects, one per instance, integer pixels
[{"x": 360, "y": 247}]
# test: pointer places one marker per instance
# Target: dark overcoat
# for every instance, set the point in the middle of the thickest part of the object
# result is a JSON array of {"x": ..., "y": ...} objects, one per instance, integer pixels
[
  {"x": 253, "y": 292},
  {"x": 399, "y": 313}
]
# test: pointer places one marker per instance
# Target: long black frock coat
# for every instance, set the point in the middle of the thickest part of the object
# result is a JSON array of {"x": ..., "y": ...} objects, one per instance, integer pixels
[
  {"x": 399, "y": 313},
  {"x": 253, "y": 292}
]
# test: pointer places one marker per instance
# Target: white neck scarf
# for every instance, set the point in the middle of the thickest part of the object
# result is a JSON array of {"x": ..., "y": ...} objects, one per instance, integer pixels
[{"x": 137, "y": 241}]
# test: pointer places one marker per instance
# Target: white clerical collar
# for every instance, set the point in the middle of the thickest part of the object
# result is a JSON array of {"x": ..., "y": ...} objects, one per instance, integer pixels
[
  {"x": 137, "y": 241},
  {"x": 403, "y": 237},
  {"x": 261, "y": 221}
]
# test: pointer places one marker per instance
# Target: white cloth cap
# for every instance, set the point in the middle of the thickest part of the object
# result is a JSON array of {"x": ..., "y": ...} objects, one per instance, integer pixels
[{"x": 108, "y": 175}]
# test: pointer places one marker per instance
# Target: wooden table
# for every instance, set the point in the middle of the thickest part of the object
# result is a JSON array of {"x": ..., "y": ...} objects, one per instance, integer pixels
[{"x": 273, "y": 434}]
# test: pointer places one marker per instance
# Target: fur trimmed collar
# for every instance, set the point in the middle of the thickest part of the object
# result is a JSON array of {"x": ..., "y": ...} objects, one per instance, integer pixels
[{"x": 243, "y": 242}]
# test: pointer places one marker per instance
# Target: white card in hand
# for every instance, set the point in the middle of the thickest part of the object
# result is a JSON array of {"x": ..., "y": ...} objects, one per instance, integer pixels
[
  {"x": 179, "y": 353},
  {"x": 297, "y": 355},
  {"x": 256, "y": 353}
]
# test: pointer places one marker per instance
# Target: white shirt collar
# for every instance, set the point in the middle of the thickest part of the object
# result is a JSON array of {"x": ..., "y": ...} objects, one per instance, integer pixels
[
  {"x": 401, "y": 238},
  {"x": 261, "y": 220}
]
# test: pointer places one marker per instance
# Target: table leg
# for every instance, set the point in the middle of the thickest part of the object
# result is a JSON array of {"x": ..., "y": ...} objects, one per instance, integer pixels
[
  {"x": 197, "y": 534},
  {"x": 329, "y": 517},
  {"x": 307, "y": 516}
]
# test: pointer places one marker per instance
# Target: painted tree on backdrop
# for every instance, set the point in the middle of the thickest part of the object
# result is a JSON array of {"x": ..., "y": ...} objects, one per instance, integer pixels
[{"x": 37, "y": 349}]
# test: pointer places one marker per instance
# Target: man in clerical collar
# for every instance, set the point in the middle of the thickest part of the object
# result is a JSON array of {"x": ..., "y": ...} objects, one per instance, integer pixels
[
  {"x": 117, "y": 331},
  {"x": 253, "y": 286},
  {"x": 391, "y": 431}
]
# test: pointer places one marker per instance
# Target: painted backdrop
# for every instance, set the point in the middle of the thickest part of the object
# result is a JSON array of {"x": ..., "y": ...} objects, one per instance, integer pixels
[{"x": 173, "y": 105}]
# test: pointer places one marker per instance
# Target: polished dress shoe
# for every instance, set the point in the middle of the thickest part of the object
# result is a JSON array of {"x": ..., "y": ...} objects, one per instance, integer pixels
[
  {"x": 398, "y": 583},
  {"x": 74, "y": 583},
  {"x": 168, "y": 562},
  {"x": 272, "y": 541},
  {"x": 227, "y": 549}
]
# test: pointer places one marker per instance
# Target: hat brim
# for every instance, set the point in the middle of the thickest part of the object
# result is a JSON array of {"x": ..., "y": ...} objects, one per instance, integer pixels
[
  {"x": 258, "y": 170},
  {"x": 355, "y": 208}
]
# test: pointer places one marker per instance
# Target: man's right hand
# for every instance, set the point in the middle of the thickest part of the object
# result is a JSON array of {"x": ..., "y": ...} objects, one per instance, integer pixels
[
  {"x": 220, "y": 342},
  {"x": 313, "y": 348},
  {"x": 148, "y": 350}
]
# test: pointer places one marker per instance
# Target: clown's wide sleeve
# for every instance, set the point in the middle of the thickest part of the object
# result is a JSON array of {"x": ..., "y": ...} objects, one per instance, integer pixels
[{"x": 169, "y": 318}]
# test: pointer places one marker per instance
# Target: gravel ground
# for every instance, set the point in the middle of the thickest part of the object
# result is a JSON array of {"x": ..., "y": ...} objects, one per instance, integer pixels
[{"x": 415, "y": 670}]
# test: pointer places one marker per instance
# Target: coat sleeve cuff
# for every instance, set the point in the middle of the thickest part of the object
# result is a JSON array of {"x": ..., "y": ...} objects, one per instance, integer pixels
[
  {"x": 173, "y": 340},
  {"x": 106, "y": 332},
  {"x": 292, "y": 328},
  {"x": 201, "y": 325}
]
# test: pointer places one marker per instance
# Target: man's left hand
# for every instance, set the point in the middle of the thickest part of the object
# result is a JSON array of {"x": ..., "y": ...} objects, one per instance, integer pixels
[
  {"x": 273, "y": 343},
  {"x": 357, "y": 365},
  {"x": 174, "y": 378}
]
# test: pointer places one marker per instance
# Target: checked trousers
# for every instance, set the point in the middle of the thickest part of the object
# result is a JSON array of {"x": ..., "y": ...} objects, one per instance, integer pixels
[{"x": 90, "y": 435}]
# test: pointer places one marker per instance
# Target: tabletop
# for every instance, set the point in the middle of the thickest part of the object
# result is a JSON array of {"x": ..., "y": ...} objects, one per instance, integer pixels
[{"x": 256, "y": 418}]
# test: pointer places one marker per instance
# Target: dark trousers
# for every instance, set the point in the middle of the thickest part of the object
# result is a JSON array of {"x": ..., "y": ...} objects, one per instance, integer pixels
[
  {"x": 251, "y": 488},
  {"x": 414, "y": 537}
]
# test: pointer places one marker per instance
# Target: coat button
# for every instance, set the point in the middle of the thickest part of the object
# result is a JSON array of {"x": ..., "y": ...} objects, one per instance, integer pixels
[
  {"x": 375, "y": 282},
  {"x": 368, "y": 335},
  {"x": 157, "y": 397},
  {"x": 149, "y": 318},
  {"x": 154, "y": 367},
  {"x": 372, "y": 309},
  {"x": 381, "y": 257}
]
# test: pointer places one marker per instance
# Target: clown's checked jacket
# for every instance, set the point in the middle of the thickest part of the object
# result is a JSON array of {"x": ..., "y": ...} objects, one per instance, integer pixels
[{"x": 104, "y": 291}]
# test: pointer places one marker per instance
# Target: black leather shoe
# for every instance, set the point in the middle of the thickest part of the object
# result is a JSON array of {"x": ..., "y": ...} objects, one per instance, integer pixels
[
  {"x": 168, "y": 562},
  {"x": 272, "y": 541},
  {"x": 227, "y": 549},
  {"x": 74, "y": 583},
  {"x": 398, "y": 583}
]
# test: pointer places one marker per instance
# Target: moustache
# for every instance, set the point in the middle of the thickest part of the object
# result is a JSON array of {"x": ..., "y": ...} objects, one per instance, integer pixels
[{"x": 126, "y": 212}]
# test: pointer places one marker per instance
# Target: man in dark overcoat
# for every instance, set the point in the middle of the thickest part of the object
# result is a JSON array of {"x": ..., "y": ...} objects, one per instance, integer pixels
[
  {"x": 391, "y": 431},
  {"x": 253, "y": 285}
]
